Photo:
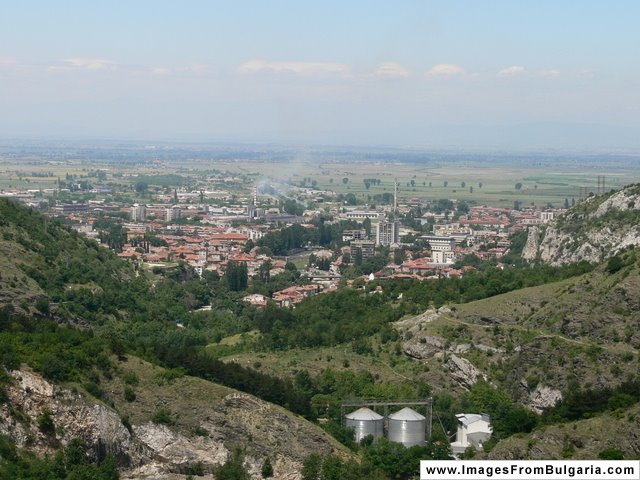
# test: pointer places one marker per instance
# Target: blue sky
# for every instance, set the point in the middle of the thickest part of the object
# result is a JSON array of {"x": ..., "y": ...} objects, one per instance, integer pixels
[{"x": 562, "y": 74}]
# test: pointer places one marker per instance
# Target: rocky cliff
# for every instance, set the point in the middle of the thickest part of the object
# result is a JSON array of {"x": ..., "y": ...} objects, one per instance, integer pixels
[
  {"x": 595, "y": 229},
  {"x": 196, "y": 440}
]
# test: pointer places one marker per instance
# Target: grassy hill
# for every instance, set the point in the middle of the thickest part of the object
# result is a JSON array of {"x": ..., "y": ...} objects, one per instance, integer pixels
[
  {"x": 71, "y": 312},
  {"x": 551, "y": 346},
  {"x": 584, "y": 329},
  {"x": 613, "y": 433}
]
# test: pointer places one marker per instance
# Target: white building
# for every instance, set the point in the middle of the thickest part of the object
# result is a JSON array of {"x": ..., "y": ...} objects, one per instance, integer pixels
[
  {"x": 443, "y": 256},
  {"x": 173, "y": 213},
  {"x": 473, "y": 431},
  {"x": 349, "y": 235},
  {"x": 387, "y": 233},
  {"x": 546, "y": 217},
  {"x": 440, "y": 243},
  {"x": 361, "y": 215},
  {"x": 138, "y": 213}
]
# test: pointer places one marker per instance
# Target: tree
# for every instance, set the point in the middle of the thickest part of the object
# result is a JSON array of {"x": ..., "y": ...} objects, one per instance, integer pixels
[
  {"x": 357, "y": 261},
  {"x": 566, "y": 203},
  {"x": 398, "y": 256},
  {"x": 237, "y": 276},
  {"x": 249, "y": 246},
  {"x": 446, "y": 183},
  {"x": 394, "y": 459},
  {"x": 345, "y": 180},
  {"x": 366, "y": 224},
  {"x": 45, "y": 422},
  {"x": 311, "y": 467},
  {"x": 463, "y": 184},
  {"x": 611, "y": 454},
  {"x": 615, "y": 264},
  {"x": 267, "y": 469},
  {"x": 141, "y": 187},
  {"x": 518, "y": 186},
  {"x": 292, "y": 207},
  {"x": 470, "y": 189},
  {"x": 264, "y": 272},
  {"x": 233, "y": 468}
]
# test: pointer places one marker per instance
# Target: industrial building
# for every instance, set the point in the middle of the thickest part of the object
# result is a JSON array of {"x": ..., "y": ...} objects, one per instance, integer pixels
[
  {"x": 365, "y": 422},
  {"x": 406, "y": 426},
  {"x": 473, "y": 431}
]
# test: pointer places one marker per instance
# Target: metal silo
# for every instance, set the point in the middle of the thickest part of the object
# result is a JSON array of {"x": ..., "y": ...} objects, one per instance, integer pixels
[
  {"x": 407, "y": 427},
  {"x": 365, "y": 422}
]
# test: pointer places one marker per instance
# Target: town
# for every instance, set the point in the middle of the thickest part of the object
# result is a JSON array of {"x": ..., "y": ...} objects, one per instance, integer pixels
[{"x": 234, "y": 226}]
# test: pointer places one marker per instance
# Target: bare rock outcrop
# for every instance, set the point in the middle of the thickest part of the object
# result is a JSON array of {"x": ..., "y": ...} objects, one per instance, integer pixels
[
  {"x": 151, "y": 451},
  {"x": 99, "y": 426},
  {"x": 463, "y": 371},
  {"x": 542, "y": 398},
  {"x": 597, "y": 228}
]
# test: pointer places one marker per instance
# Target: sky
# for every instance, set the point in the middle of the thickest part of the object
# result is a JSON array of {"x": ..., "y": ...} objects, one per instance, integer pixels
[{"x": 487, "y": 73}]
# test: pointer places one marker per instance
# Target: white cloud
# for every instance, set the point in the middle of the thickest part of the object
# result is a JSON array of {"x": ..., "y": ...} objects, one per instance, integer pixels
[
  {"x": 84, "y": 64},
  {"x": 512, "y": 71},
  {"x": 587, "y": 73},
  {"x": 161, "y": 71},
  {"x": 7, "y": 61},
  {"x": 445, "y": 70},
  {"x": 299, "y": 68},
  {"x": 391, "y": 69},
  {"x": 549, "y": 73},
  {"x": 195, "y": 68}
]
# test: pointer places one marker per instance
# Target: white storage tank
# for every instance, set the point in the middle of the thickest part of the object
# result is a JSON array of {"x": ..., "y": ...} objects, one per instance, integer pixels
[
  {"x": 365, "y": 422},
  {"x": 407, "y": 427}
]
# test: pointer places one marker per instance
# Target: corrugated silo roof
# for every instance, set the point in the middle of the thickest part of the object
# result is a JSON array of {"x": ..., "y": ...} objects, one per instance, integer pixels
[
  {"x": 407, "y": 414},
  {"x": 364, "y": 414}
]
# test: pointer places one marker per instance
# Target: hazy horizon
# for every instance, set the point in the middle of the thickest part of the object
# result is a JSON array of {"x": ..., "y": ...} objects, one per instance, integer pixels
[{"x": 426, "y": 74}]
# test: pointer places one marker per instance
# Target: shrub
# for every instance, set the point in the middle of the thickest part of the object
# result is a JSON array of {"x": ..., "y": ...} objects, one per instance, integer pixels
[
  {"x": 267, "y": 469},
  {"x": 170, "y": 374},
  {"x": 93, "y": 389},
  {"x": 131, "y": 378},
  {"x": 614, "y": 264},
  {"x": 611, "y": 454},
  {"x": 201, "y": 432},
  {"x": 129, "y": 394},
  {"x": 4, "y": 397},
  {"x": 163, "y": 416},
  {"x": 45, "y": 422}
]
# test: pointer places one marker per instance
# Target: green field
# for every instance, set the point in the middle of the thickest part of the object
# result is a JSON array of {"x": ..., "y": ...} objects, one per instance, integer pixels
[{"x": 492, "y": 185}]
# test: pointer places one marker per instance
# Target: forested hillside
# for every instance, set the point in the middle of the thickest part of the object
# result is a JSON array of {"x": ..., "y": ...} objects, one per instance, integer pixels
[
  {"x": 528, "y": 344},
  {"x": 75, "y": 314}
]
